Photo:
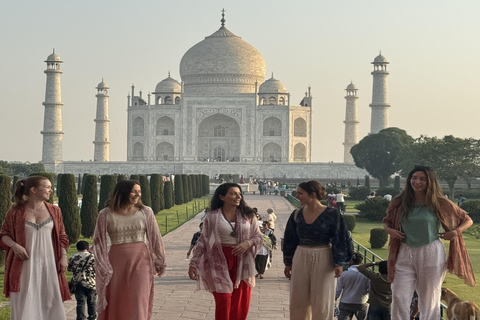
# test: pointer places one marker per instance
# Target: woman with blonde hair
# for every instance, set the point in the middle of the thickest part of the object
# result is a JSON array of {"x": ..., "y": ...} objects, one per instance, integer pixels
[
  {"x": 270, "y": 217},
  {"x": 128, "y": 252},
  {"x": 416, "y": 258},
  {"x": 34, "y": 236}
]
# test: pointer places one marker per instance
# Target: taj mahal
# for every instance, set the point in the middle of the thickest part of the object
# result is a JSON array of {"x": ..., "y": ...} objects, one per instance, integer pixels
[{"x": 225, "y": 116}]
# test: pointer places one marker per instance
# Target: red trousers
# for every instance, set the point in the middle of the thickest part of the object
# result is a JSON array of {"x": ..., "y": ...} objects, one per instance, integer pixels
[{"x": 235, "y": 305}]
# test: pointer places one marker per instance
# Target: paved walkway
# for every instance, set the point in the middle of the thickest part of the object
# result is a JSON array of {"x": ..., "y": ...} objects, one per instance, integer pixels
[{"x": 175, "y": 295}]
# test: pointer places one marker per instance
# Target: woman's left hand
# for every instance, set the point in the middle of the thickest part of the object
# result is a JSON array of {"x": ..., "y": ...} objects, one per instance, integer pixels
[
  {"x": 449, "y": 235},
  {"x": 240, "y": 248},
  {"x": 63, "y": 263},
  {"x": 338, "y": 271}
]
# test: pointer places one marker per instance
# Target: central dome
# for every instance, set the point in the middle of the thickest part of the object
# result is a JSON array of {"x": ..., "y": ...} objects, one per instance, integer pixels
[{"x": 222, "y": 63}]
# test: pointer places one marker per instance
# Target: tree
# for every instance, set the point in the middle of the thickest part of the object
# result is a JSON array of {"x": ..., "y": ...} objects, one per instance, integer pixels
[
  {"x": 186, "y": 188},
  {"x": 5, "y": 204},
  {"x": 168, "y": 194},
  {"x": 68, "y": 203},
  {"x": 107, "y": 184},
  {"x": 381, "y": 154},
  {"x": 451, "y": 158},
  {"x": 121, "y": 177},
  {"x": 206, "y": 185},
  {"x": 79, "y": 188},
  {"x": 146, "y": 194},
  {"x": 179, "y": 194},
  {"x": 396, "y": 183},
  {"x": 367, "y": 182},
  {"x": 156, "y": 188},
  {"x": 193, "y": 187},
  {"x": 89, "y": 210},
  {"x": 135, "y": 177}
]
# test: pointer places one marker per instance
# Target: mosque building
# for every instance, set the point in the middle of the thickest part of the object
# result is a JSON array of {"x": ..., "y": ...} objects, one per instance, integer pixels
[
  {"x": 222, "y": 111},
  {"x": 223, "y": 117}
]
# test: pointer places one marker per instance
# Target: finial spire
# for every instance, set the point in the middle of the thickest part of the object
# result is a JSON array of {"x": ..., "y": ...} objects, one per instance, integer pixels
[
  {"x": 53, "y": 50},
  {"x": 223, "y": 18},
  {"x": 272, "y": 74},
  {"x": 169, "y": 73}
]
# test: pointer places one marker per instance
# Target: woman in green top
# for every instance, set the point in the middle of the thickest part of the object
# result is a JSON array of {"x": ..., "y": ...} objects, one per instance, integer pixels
[{"x": 416, "y": 255}]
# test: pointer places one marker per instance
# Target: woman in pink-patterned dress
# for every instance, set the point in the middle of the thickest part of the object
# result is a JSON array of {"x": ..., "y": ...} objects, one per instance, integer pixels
[{"x": 223, "y": 260}]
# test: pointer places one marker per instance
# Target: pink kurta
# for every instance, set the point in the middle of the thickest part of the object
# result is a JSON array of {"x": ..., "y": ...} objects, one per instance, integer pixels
[{"x": 210, "y": 262}]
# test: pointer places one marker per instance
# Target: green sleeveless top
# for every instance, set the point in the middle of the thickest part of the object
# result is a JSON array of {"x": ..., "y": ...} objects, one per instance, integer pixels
[{"x": 421, "y": 227}]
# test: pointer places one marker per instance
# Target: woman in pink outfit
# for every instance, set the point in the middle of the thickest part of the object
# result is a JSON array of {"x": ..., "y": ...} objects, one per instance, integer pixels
[
  {"x": 223, "y": 260},
  {"x": 125, "y": 265}
]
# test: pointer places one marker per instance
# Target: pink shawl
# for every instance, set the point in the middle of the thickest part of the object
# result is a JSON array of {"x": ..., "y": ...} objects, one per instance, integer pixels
[
  {"x": 458, "y": 261},
  {"x": 210, "y": 262},
  {"x": 101, "y": 247}
]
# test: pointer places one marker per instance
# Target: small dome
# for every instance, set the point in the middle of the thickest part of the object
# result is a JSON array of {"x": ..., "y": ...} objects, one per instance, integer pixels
[
  {"x": 272, "y": 85},
  {"x": 102, "y": 85},
  {"x": 380, "y": 59},
  {"x": 53, "y": 58},
  {"x": 351, "y": 86},
  {"x": 168, "y": 85}
]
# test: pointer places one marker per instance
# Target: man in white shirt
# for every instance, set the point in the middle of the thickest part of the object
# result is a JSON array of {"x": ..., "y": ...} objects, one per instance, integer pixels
[
  {"x": 340, "y": 200},
  {"x": 354, "y": 288}
]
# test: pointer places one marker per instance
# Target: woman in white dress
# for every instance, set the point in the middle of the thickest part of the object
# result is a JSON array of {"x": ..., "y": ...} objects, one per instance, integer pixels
[{"x": 34, "y": 236}]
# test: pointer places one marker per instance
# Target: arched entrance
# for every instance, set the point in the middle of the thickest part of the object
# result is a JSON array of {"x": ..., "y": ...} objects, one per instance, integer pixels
[{"x": 218, "y": 139}]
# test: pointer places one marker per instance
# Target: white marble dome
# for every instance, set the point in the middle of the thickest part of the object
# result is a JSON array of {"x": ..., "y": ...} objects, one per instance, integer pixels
[
  {"x": 351, "y": 86},
  {"x": 272, "y": 85},
  {"x": 102, "y": 85},
  {"x": 53, "y": 58},
  {"x": 222, "y": 63},
  {"x": 168, "y": 85},
  {"x": 380, "y": 59}
]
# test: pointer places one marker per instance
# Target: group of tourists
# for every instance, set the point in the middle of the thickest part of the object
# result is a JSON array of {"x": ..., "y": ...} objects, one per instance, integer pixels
[{"x": 128, "y": 252}]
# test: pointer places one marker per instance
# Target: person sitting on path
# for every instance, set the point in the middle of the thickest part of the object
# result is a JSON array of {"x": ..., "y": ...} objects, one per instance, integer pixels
[
  {"x": 82, "y": 265},
  {"x": 354, "y": 288},
  {"x": 223, "y": 261},
  {"x": 380, "y": 294}
]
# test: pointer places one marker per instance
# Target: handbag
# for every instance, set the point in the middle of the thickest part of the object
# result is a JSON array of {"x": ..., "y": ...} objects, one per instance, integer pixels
[{"x": 72, "y": 284}]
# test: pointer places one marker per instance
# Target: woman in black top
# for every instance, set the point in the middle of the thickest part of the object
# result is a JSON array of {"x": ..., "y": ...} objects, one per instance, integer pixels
[{"x": 317, "y": 245}]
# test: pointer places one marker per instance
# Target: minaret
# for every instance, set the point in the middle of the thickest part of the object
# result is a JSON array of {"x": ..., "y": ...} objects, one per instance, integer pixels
[
  {"x": 379, "y": 103},
  {"x": 102, "y": 141},
  {"x": 52, "y": 120},
  {"x": 351, "y": 123}
]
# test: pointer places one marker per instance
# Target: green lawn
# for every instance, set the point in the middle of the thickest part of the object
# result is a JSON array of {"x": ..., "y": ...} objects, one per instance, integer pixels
[{"x": 361, "y": 233}]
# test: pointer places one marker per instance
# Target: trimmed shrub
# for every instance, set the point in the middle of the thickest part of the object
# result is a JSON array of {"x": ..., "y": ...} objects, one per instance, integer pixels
[
  {"x": 89, "y": 210},
  {"x": 396, "y": 183},
  {"x": 384, "y": 190},
  {"x": 378, "y": 238},
  {"x": 168, "y": 194},
  {"x": 373, "y": 209},
  {"x": 146, "y": 194},
  {"x": 107, "y": 183},
  {"x": 473, "y": 209},
  {"x": 186, "y": 188},
  {"x": 193, "y": 187},
  {"x": 121, "y": 177},
  {"x": 206, "y": 185},
  {"x": 179, "y": 194},
  {"x": 367, "y": 182},
  {"x": 156, "y": 190},
  {"x": 350, "y": 221},
  {"x": 135, "y": 177},
  {"x": 469, "y": 194},
  {"x": 14, "y": 183},
  {"x": 68, "y": 203},
  {"x": 49, "y": 176},
  {"x": 59, "y": 184},
  {"x": 332, "y": 190},
  {"x": 5, "y": 204},
  {"x": 357, "y": 193}
]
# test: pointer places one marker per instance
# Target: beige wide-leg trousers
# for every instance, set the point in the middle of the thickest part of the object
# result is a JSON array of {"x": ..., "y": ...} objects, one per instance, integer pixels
[
  {"x": 312, "y": 286},
  {"x": 421, "y": 269}
]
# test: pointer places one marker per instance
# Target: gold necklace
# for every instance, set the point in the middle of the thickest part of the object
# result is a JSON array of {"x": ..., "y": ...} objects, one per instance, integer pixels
[{"x": 234, "y": 232}]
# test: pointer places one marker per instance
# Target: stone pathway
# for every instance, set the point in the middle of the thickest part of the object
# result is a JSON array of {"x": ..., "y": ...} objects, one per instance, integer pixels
[{"x": 175, "y": 295}]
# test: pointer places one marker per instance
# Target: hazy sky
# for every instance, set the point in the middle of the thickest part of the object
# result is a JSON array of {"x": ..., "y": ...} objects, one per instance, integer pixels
[{"x": 433, "y": 48}]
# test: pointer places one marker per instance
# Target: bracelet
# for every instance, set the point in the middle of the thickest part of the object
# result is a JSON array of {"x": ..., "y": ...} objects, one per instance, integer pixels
[
  {"x": 13, "y": 244},
  {"x": 63, "y": 254}
]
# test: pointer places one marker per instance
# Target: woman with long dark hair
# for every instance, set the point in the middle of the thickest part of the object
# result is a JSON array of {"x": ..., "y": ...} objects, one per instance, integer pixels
[
  {"x": 126, "y": 264},
  {"x": 34, "y": 236},
  {"x": 223, "y": 260},
  {"x": 316, "y": 246},
  {"x": 416, "y": 258}
]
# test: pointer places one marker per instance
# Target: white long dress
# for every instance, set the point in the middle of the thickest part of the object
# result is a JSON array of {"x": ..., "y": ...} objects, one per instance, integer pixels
[{"x": 39, "y": 297}]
